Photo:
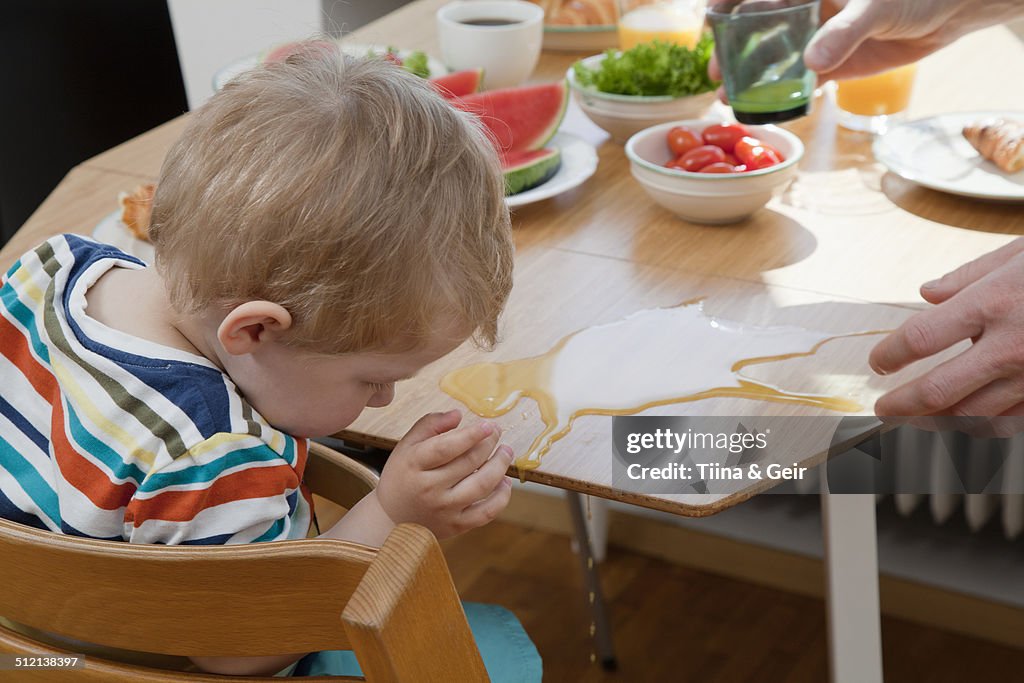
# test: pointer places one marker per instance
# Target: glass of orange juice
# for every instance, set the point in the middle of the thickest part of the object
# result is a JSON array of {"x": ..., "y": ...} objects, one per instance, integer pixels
[
  {"x": 673, "y": 21},
  {"x": 870, "y": 103}
]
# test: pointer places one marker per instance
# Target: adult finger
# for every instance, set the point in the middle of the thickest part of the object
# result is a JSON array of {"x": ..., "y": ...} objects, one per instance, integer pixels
[
  {"x": 484, "y": 511},
  {"x": 479, "y": 484},
  {"x": 995, "y": 398},
  {"x": 874, "y": 56},
  {"x": 926, "y": 334},
  {"x": 443, "y": 448},
  {"x": 713, "y": 70},
  {"x": 841, "y": 35},
  {"x": 951, "y": 283},
  {"x": 942, "y": 387}
]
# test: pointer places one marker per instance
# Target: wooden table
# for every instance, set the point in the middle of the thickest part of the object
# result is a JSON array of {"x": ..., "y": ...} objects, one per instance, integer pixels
[{"x": 844, "y": 249}]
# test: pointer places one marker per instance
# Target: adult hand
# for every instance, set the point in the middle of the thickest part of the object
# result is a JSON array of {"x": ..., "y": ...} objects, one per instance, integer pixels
[
  {"x": 864, "y": 37},
  {"x": 982, "y": 301},
  {"x": 445, "y": 477}
]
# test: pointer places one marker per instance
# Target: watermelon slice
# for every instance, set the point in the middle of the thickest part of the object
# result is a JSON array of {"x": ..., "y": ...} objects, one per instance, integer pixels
[
  {"x": 459, "y": 84},
  {"x": 527, "y": 169},
  {"x": 519, "y": 119}
]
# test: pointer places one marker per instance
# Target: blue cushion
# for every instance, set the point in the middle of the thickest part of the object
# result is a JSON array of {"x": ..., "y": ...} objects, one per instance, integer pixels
[{"x": 508, "y": 653}]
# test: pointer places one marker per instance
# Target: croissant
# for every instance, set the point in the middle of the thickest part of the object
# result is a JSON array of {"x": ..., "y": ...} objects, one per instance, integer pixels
[
  {"x": 136, "y": 209},
  {"x": 1000, "y": 141},
  {"x": 581, "y": 12}
]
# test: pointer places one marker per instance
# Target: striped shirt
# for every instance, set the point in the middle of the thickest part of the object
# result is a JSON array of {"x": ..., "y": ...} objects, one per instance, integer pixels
[{"x": 106, "y": 435}]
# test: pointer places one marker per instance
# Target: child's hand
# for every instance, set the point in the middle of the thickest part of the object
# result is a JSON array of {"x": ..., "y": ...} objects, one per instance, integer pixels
[{"x": 444, "y": 477}]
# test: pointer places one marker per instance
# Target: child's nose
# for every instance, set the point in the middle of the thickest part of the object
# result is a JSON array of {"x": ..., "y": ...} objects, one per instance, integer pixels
[{"x": 383, "y": 397}]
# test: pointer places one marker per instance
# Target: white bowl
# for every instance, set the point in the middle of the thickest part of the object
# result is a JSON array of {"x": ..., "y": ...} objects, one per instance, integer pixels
[
  {"x": 624, "y": 115},
  {"x": 710, "y": 198}
]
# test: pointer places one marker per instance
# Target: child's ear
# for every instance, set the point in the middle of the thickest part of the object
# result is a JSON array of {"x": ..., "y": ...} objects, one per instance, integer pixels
[{"x": 251, "y": 324}]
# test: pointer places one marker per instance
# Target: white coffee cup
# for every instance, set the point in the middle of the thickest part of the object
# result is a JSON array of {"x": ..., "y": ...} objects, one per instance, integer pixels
[{"x": 508, "y": 53}]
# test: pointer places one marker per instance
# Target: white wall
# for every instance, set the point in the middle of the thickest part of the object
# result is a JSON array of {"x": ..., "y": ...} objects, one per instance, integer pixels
[{"x": 212, "y": 33}]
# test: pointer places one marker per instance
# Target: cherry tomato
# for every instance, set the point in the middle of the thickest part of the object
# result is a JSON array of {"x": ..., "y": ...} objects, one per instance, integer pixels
[
  {"x": 739, "y": 169},
  {"x": 699, "y": 157},
  {"x": 724, "y": 135},
  {"x": 681, "y": 140},
  {"x": 756, "y": 154},
  {"x": 719, "y": 167},
  {"x": 731, "y": 159}
]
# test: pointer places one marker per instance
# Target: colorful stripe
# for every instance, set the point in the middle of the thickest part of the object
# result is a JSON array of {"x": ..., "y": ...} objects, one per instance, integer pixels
[{"x": 95, "y": 438}]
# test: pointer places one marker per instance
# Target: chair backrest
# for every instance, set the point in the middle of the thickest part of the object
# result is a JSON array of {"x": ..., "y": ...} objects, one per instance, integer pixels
[{"x": 396, "y": 608}]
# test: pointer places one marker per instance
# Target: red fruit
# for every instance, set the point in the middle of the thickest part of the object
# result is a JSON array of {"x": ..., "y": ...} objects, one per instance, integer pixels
[
  {"x": 731, "y": 159},
  {"x": 756, "y": 154},
  {"x": 681, "y": 140},
  {"x": 698, "y": 158},
  {"x": 458, "y": 84},
  {"x": 719, "y": 167},
  {"x": 724, "y": 135},
  {"x": 519, "y": 119}
]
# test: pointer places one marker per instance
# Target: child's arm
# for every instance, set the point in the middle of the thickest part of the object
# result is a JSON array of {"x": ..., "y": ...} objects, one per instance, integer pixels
[{"x": 441, "y": 476}]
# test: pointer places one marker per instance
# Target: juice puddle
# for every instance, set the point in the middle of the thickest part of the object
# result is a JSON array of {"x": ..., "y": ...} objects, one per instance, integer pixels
[{"x": 650, "y": 358}]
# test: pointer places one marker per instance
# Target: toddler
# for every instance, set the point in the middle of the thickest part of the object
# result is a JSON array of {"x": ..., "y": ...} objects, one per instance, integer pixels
[{"x": 324, "y": 228}]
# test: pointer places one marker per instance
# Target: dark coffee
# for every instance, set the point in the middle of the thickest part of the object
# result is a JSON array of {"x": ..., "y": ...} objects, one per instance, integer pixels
[{"x": 489, "y": 22}]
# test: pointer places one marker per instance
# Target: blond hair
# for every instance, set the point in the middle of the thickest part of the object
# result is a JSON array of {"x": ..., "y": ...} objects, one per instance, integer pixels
[{"x": 347, "y": 191}]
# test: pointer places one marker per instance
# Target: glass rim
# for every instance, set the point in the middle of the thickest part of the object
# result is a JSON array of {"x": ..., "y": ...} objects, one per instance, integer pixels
[{"x": 764, "y": 13}]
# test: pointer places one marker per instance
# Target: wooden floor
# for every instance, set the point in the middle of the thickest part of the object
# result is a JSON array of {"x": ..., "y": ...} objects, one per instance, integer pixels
[{"x": 680, "y": 625}]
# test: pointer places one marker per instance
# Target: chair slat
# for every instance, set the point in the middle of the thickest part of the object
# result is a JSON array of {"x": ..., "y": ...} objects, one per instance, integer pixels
[
  {"x": 264, "y": 598},
  {"x": 405, "y": 605}
]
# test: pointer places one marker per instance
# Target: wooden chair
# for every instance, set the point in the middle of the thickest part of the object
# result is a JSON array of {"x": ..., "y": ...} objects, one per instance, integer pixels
[{"x": 396, "y": 608}]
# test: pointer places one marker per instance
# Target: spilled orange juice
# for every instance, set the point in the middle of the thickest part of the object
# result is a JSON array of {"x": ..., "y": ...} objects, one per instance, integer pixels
[{"x": 652, "y": 357}]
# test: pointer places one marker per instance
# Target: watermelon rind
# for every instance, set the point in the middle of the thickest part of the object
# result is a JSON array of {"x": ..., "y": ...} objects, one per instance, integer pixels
[
  {"x": 545, "y": 137},
  {"x": 534, "y": 170}
]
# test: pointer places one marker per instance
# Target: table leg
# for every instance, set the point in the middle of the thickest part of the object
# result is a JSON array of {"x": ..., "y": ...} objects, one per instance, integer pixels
[
  {"x": 596, "y": 520},
  {"x": 851, "y": 575},
  {"x": 600, "y": 627}
]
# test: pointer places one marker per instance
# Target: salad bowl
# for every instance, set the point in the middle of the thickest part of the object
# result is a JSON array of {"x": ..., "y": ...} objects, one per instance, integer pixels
[{"x": 623, "y": 115}]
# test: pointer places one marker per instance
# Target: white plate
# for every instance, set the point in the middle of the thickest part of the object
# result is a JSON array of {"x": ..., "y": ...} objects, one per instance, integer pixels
[
  {"x": 112, "y": 231},
  {"x": 934, "y": 153},
  {"x": 579, "y": 161},
  {"x": 228, "y": 72}
]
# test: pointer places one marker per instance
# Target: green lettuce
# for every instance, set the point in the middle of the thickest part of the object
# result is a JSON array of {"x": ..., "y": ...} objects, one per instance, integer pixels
[{"x": 657, "y": 68}]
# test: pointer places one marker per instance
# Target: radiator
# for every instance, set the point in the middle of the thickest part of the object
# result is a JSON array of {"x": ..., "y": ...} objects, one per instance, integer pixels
[{"x": 921, "y": 456}]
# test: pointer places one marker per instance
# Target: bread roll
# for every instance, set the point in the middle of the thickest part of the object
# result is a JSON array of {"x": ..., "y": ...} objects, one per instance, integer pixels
[{"x": 136, "y": 208}]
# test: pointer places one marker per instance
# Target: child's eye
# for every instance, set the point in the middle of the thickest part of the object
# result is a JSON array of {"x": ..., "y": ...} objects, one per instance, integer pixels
[{"x": 378, "y": 387}]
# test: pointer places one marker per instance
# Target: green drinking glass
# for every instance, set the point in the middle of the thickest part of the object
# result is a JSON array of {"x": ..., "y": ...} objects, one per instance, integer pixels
[{"x": 760, "y": 49}]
